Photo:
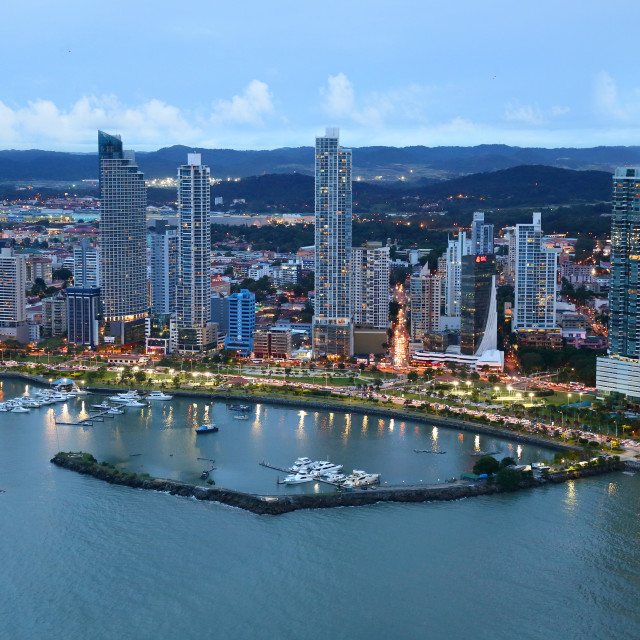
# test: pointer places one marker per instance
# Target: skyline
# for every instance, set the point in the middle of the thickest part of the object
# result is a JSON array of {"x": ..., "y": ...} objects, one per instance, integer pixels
[{"x": 426, "y": 74}]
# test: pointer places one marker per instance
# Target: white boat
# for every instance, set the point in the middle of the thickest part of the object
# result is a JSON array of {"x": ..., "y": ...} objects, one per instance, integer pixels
[
  {"x": 20, "y": 409},
  {"x": 243, "y": 417},
  {"x": 324, "y": 467},
  {"x": 133, "y": 403},
  {"x": 297, "y": 478},
  {"x": 159, "y": 395},
  {"x": 125, "y": 396},
  {"x": 336, "y": 477},
  {"x": 114, "y": 411},
  {"x": 103, "y": 405},
  {"x": 3, "y": 406}
]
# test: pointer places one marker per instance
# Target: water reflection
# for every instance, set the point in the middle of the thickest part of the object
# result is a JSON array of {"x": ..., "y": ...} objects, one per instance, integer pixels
[
  {"x": 365, "y": 424},
  {"x": 434, "y": 437},
  {"x": 392, "y": 423},
  {"x": 570, "y": 498},
  {"x": 519, "y": 451},
  {"x": 476, "y": 443}
]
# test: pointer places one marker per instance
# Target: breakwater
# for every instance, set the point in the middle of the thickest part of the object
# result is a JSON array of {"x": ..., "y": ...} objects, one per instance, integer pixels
[{"x": 276, "y": 505}]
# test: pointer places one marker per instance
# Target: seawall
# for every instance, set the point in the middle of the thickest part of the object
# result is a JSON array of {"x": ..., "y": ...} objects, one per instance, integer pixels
[{"x": 275, "y": 505}]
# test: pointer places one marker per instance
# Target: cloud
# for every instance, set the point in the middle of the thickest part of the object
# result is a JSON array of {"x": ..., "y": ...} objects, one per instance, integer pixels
[
  {"x": 525, "y": 114},
  {"x": 558, "y": 110},
  {"x": 249, "y": 108},
  {"x": 609, "y": 102},
  {"x": 339, "y": 102}
]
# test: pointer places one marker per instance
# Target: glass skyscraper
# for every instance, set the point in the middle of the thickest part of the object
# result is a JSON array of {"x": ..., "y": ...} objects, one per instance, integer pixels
[
  {"x": 122, "y": 243},
  {"x": 332, "y": 321}
]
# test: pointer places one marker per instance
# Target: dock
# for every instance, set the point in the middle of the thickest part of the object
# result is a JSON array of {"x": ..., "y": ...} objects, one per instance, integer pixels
[
  {"x": 88, "y": 422},
  {"x": 288, "y": 471}
]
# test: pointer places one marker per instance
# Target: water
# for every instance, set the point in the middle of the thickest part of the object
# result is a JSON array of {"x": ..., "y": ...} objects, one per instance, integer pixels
[{"x": 81, "y": 558}]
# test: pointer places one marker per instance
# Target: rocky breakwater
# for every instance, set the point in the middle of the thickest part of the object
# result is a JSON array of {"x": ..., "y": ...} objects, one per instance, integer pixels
[{"x": 85, "y": 463}]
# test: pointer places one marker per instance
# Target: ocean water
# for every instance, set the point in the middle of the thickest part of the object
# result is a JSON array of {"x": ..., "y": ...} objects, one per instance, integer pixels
[{"x": 81, "y": 558}]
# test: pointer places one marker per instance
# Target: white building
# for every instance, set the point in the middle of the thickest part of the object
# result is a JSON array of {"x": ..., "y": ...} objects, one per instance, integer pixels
[
  {"x": 196, "y": 333},
  {"x": 163, "y": 267},
  {"x": 332, "y": 321},
  {"x": 536, "y": 279},
  {"x": 481, "y": 235},
  {"x": 370, "y": 273},
  {"x": 456, "y": 249},
  {"x": 13, "y": 301},
  {"x": 86, "y": 265},
  {"x": 426, "y": 299}
]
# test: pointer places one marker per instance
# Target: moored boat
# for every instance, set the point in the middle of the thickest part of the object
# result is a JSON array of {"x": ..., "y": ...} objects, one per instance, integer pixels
[{"x": 207, "y": 428}]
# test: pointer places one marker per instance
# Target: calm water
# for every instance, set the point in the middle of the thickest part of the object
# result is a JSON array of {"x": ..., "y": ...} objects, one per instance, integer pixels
[{"x": 81, "y": 558}]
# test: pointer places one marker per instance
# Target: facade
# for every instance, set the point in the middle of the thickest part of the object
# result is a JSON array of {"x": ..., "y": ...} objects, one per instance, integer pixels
[
  {"x": 123, "y": 269},
  {"x": 481, "y": 235},
  {"x": 619, "y": 372},
  {"x": 274, "y": 342},
  {"x": 220, "y": 313},
  {"x": 86, "y": 265},
  {"x": 193, "y": 303},
  {"x": 456, "y": 249},
  {"x": 242, "y": 322},
  {"x": 332, "y": 320},
  {"x": 39, "y": 268},
  {"x": 163, "y": 267},
  {"x": 426, "y": 300},
  {"x": 370, "y": 272},
  {"x": 13, "y": 301},
  {"x": 478, "y": 315},
  {"x": 54, "y": 315},
  {"x": 83, "y": 311},
  {"x": 535, "y": 279}
]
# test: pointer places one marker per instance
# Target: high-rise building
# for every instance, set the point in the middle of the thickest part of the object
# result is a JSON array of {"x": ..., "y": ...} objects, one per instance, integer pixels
[
  {"x": 13, "y": 301},
  {"x": 122, "y": 243},
  {"x": 193, "y": 305},
  {"x": 163, "y": 263},
  {"x": 83, "y": 311},
  {"x": 332, "y": 320},
  {"x": 510, "y": 265},
  {"x": 479, "y": 315},
  {"x": 274, "y": 342},
  {"x": 242, "y": 322},
  {"x": 220, "y": 313},
  {"x": 536, "y": 279},
  {"x": 481, "y": 235},
  {"x": 370, "y": 271},
  {"x": 86, "y": 265},
  {"x": 619, "y": 372},
  {"x": 456, "y": 249},
  {"x": 426, "y": 299}
]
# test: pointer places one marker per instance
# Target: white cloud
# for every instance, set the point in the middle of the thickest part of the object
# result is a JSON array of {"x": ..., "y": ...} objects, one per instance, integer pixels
[
  {"x": 525, "y": 114},
  {"x": 339, "y": 102},
  {"x": 558, "y": 110},
  {"x": 248, "y": 108},
  {"x": 609, "y": 102}
]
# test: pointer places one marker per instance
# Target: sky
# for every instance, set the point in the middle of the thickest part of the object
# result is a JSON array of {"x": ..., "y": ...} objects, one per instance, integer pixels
[{"x": 274, "y": 73}]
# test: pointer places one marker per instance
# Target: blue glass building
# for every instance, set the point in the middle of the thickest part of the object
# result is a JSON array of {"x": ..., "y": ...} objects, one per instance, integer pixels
[{"x": 242, "y": 322}]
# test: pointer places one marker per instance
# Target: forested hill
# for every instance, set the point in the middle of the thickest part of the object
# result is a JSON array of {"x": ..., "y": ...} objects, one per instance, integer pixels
[{"x": 390, "y": 164}]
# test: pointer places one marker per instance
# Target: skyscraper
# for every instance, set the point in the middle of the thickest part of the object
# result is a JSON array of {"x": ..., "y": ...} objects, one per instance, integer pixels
[
  {"x": 163, "y": 244},
  {"x": 426, "y": 298},
  {"x": 370, "y": 272},
  {"x": 481, "y": 235},
  {"x": 332, "y": 321},
  {"x": 536, "y": 273},
  {"x": 456, "y": 249},
  {"x": 86, "y": 265},
  {"x": 123, "y": 270},
  {"x": 478, "y": 315},
  {"x": 620, "y": 371},
  {"x": 193, "y": 304},
  {"x": 13, "y": 301},
  {"x": 242, "y": 322}
]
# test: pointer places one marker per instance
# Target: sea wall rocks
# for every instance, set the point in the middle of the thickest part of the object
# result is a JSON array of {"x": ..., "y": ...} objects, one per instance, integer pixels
[{"x": 275, "y": 505}]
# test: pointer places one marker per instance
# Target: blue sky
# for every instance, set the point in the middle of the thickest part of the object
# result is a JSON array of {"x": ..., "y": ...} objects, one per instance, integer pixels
[{"x": 273, "y": 73}]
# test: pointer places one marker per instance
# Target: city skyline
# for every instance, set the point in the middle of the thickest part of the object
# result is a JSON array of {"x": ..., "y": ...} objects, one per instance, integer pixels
[{"x": 493, "y": 83}]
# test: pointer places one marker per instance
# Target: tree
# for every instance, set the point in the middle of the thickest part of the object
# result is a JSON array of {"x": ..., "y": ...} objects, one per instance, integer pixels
[
  {"x": 140, "y": 376},
  {"x": 508, "y": 478},
  {"x": 412, "y": 376},
  {"x": 486, "y": 464},
  {"x": 493, "y": 378},
  {"x": 63, "y": 274},
  {"x": 507, "y": 462}
]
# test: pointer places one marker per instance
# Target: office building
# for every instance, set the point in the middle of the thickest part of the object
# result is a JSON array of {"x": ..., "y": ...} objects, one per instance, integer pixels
[
  {"x": 535, "y": 279},
  {"x": 456, "y": 249},
  {"x": 122, "y": 242},
  {"x": 83, "y": 312},
  {"x": 481, "y": 235},
  {"x": 163, "y": 267},
  {"x": 242, "y": 322},
  {"x": 370, "y": 271},
  {"x": 332, "y": 320},
  {"x": 425, "y": 292},
  {"x": 86, "y": 265},
  {"x": 274, "y": 342},
  {"x": 478, "y": 314},
  {"x": 220, "y": 313},
  {"x": 193, "y": 304},
  {"x": 13, "y": 301},
  {"x": 54, "y": 315},
  {"x": 619, "y": 372}
]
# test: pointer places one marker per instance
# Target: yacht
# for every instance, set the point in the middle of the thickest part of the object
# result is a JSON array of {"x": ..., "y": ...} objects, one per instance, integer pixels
[
  {"x": 102, "y": 405},
  {"x": 133, "y": 402},
  {"x": 20, "y": 409},
  {"x": 207, "y": 428},
  {"x": 241, "y": 417},
  {"x": 159, "y": 395},
  {"x": 297, "y": 478},
  {"x": 114, "y": 411},
  {"x": 336, "y": 477},
  {"x": 3, "y": 406},
  {"x": 125, "y": 396},
  {"x": 324, "y": 467},
  {"x": 300, "y": 463}
]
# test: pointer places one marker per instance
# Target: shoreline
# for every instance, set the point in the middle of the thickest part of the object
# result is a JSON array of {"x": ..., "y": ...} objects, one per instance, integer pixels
[{"x": 276, "y": 505}]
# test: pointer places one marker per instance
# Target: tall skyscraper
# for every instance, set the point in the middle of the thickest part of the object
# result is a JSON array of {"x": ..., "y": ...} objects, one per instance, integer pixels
[
  {"x": 456, "y": 249},
  {"x": 193, "y": 305},
  {"x": 536, "y": 274},
  {"x": 481, "y": 235},
  {"x": 123, "y": 269},
  {"x": 83, "y": 310},
  {"x": 370, "y": 272},
  {"x": 242, "y": 322},
  {"x": 479, "y": 315},
  {"x": 426, "y": 299},
  {"x": 163, "y": 245},
  {"x": 620, "y": 371},
  {"x": 332, "y": 321},
  {"x": 86, "y": 265},
  {"x": 13, "y": 301}
]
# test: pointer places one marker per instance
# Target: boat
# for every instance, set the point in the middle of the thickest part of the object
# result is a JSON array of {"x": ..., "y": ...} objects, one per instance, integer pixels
[
  {"x": 324, "y": 467},
  {"x": 125, "y": 396},
  {"x": 133, "y": 403},
  {"x": 159, "y": 395},
  {"x": 207, "y": 428},
  {"x": 297, "y": 478},
  {"x": 204, "y": 475},
  {"x": 20, "y": 409},
  {"x": 114, "y": 411},
  {"x": 336, "y": 478},
  {"x": 102, "y": 405},
  {"x": 241, "y": 417},
  {"x": 239, "y": 407},
  {"x": 300, "y": 463}
]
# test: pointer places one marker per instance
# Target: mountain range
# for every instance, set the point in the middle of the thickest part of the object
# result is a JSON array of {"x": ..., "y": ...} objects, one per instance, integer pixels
[{"x": 392, "y": 165}]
